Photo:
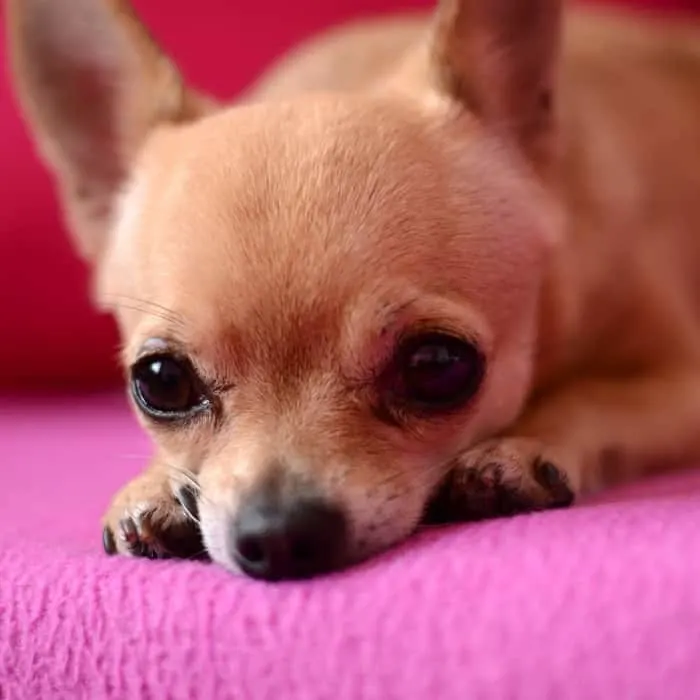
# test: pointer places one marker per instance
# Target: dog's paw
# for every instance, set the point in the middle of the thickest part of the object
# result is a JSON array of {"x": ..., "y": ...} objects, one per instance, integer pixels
[
  {"x": 148, "y": 519},
  {"x": 502, "y": 477}
]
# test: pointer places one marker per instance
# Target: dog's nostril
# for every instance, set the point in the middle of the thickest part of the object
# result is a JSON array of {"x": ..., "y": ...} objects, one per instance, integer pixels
[
  {"x": 274, "y": 541},
  {"x": 251, "y": 549},
  {"x": 302, "y": 551}
]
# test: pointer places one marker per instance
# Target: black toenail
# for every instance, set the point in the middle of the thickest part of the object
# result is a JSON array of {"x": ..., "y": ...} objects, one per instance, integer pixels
[
  {"x": 110, "y": 546},
  {"x": 548, "y": 475},
  {"x": 564, "y": 499},
  {"x": 555, "y": 481},
  {"x": 128, "y": 528}
]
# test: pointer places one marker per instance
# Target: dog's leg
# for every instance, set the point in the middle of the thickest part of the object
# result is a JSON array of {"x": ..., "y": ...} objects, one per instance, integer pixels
[
  {"x": 155, "y": 516},
  {"x": 589, "y": 434}
]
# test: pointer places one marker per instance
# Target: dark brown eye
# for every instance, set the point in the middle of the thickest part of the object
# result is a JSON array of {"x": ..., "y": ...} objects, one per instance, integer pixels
[
  {"x": 167, "y": 387},
  {"x": 435, "y": 372}
]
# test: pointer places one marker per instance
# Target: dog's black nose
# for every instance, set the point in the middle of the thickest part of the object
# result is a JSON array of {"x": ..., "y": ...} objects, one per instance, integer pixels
[{"x": 275, "y": 538}]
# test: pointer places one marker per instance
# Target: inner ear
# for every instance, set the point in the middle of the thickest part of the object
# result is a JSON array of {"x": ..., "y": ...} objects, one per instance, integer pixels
[
  {"x": 92, "y": 84},
  {"x": 499, "y": 58}
]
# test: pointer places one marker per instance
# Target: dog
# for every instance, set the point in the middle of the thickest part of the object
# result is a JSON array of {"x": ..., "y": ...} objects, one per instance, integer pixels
[{"x": 429, "y": 268}]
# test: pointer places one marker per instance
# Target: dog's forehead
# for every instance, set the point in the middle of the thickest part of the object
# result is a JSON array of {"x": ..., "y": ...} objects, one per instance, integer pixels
[
  {"x": 296, "y": 208},
  {"x": 248, "y": 198},
  {"x": 294, "y": 163}
]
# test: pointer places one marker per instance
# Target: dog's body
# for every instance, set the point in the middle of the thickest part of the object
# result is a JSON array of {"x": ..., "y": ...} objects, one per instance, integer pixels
[{"x": 533, "y": 222}]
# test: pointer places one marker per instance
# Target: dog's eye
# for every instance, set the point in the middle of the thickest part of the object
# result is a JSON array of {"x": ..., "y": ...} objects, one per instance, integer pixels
[
  {"x": 167, "y": 387},
  {"x": 435, "y": 372}
]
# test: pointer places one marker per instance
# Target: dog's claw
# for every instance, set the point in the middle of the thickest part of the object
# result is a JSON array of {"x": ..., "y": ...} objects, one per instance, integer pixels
[
  {"x": 154, "y": 526},
  {"x": 549, "y": 476},
  {"x": 501, "y": 478},
  {"x": 129, "y": 531},
  {"x": 110, "y": 546},
  {"x": 145, "y": 536},
  {"x": 133, "y": 538}
]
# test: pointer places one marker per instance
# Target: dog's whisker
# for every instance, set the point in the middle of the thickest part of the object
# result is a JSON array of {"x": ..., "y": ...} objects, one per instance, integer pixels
[
  {"x": 147, "y": 307},
  {"x": 440, "y": 467},
  {"x": 197, "y": 555},
  {"x": 135, "y": 307},
  {"x": 187, "y": 479},
  {"x": 190, "y": 515},
  {"x": 148, "y": 303}
]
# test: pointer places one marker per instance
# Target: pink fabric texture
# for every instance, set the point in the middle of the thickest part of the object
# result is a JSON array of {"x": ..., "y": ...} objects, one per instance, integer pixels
[{"x": 601, "y": 601}]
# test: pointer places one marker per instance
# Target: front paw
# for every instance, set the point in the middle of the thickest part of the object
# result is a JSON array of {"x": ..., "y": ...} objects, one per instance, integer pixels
[
  {"x": 148, "y": 518},
  {"x": 502, "y": 477}
]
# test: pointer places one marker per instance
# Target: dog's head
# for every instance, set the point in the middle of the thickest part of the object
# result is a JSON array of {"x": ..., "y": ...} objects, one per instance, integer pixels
[{"x": 324, "y": 300}]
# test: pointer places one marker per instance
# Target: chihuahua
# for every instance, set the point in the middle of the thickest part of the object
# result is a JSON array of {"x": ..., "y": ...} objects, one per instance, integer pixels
[{"x": 429, "y": 268}]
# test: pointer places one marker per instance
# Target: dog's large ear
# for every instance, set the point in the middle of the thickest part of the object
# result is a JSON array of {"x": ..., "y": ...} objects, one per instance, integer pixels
[
  {"x": 92, "y": 84},
  {"x": 499, "y": 58}
]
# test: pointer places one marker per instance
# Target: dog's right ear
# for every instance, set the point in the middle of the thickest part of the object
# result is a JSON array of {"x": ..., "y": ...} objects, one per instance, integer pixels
[
  {"x": 499, "y": 59},
  {"x": 92, "y": 84}
]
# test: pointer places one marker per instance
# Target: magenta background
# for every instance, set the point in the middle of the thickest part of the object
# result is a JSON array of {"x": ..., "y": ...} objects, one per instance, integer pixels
[{"x": 221, "y": 45}]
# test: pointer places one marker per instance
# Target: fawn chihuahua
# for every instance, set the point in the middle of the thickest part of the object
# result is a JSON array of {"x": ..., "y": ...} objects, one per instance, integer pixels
[{"x": 438, "y": 267}]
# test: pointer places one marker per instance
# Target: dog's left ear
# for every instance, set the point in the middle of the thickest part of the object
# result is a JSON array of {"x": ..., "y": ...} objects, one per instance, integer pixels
[
  {"x": 92, "y": 85},
  {"x": 499, "y": 59}
]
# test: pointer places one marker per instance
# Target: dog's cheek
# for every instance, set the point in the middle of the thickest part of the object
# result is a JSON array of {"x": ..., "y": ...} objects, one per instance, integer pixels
[{"x": 384, "y": 510}]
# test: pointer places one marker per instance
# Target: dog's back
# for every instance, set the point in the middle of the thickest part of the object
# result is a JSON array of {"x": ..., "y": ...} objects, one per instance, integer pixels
[{"x": 630, "y": 134}]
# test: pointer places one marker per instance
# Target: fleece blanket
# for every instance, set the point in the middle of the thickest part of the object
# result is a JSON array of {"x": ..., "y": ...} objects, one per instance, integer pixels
[{"x": 601, "y": 601}]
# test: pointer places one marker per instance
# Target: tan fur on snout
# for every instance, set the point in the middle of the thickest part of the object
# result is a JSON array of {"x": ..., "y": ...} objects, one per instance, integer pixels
[{"x": 482, "y": 173}]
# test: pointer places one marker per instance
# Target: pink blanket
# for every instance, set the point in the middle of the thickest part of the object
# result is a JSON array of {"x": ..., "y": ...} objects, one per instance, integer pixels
[{"x": 602, "y": 601}]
